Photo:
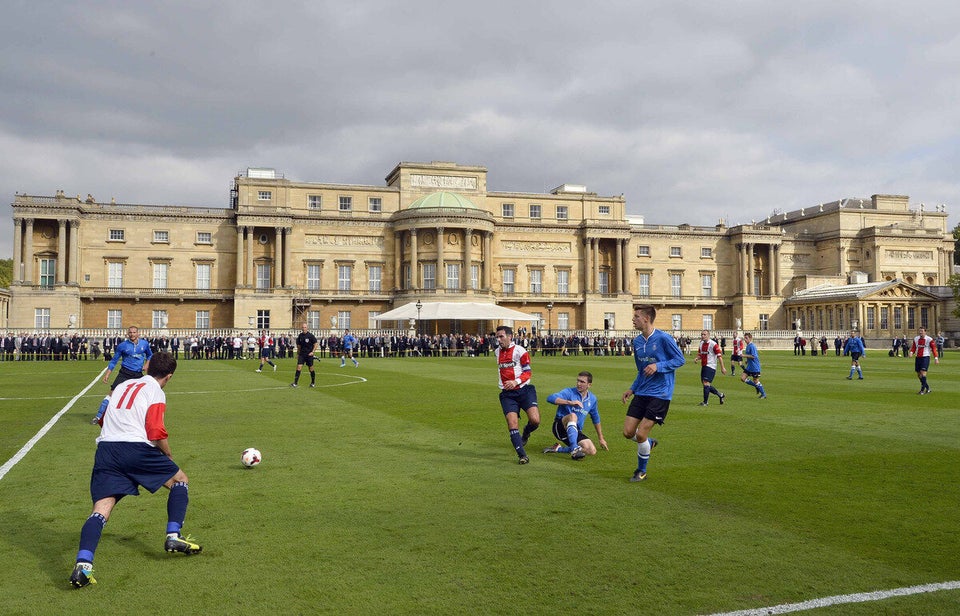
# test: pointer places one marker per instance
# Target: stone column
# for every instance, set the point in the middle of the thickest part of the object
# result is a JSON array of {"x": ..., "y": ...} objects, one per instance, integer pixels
[
  {"x": 467, "y": 263},
  {"x": 776, "y": 269},
  {"x": 750, "y": 267},
  {"x": 250, "y": 279},
  {"x": 487, "y": 261},
  {"x": 619, "y": 267},
  {"x": 772, "y": 274},
  {"x": 397, "y": 260},
  {"x": 625, "y": 267},
  {"x": 74, "y": 269},
  {"x": 587, "y": 265},
  {"x": 28, "y": 253},
  {"x": 441, "y": 272},
  {"x": 61, "y": 252},
  {"x": 278, "y": 256},
  {"x": 240, "y": 259},
  {"x": 595, "y": 273},
  {"x": 17, "y": 248},
  {"x": 743, "y": 269},
  {"x": 287, "y": 261},
  {"x": 414, "y": 265}
]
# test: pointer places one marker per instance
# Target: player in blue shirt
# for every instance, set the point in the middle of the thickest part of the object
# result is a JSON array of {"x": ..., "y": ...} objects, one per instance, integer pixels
[
  {"x": 657, "y": 357},
  {"x": 752, "y": 369},
  {"x": 573, "y": 406},
  {"x": 349, "y": 342},
  {"x": 134, "y": 355},
  {"x": 855, "y": 349}
]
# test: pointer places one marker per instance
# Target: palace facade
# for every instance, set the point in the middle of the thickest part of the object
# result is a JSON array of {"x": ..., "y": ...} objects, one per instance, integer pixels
[{"x": 338, "y": 255}]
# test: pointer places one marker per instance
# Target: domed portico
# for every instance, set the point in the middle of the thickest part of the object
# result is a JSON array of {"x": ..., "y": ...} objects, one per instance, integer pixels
[{"x": 443, "y": 246}]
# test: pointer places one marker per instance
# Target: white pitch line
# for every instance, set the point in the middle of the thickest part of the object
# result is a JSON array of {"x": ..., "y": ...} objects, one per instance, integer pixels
[
  {"x": 9, "y": 464},
  {"x": 861, "y": 597}
]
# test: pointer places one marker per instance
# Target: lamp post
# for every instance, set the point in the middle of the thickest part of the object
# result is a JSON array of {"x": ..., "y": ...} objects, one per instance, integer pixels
[
  {"x": 550, "y": 318},
  {"x": 419, "y": 306}
]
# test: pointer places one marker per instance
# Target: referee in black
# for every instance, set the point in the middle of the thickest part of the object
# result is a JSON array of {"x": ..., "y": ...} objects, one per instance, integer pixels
[{"x": 306, "y": 347}]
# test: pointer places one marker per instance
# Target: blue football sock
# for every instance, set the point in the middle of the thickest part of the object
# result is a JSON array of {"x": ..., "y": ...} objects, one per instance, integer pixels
[
  {"x": 643, "y": 455},
  {"x": 90, "y": 537},
  {"x": 103, "y": 407},
  {"x": 517, "y": 441},
  {"x": 572, "y": 433},
  {"x": 177, "y": 507}
]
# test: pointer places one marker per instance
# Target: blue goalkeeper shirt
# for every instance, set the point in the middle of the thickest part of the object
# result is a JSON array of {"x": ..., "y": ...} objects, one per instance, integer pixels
[
  {"x": 660, "y": 349},
  {"x": 133, "y": 355},
  {"x": 589, "y": 406}
]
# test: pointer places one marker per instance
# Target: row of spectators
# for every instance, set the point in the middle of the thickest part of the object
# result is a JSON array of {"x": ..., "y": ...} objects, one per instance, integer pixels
[{"x": 35, "y": 347}]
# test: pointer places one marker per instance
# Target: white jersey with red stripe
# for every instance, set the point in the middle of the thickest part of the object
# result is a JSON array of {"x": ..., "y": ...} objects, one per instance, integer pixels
[
  {"x": 709, "y": 350},
  {"x": 514, "y": 364},
  {"x": 135, "y": 413},
  {"x": 924, "y": 346},
  {"x": 738, "y": 346}
]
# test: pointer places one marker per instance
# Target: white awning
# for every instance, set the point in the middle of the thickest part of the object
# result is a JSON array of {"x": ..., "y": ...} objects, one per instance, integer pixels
[{"x": 439, "y": 311}]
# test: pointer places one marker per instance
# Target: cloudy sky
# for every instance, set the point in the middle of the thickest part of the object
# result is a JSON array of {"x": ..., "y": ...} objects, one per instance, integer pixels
[{"x": 695, "y": 111}]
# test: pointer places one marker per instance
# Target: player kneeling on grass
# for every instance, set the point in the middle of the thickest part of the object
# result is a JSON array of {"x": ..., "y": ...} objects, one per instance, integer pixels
[
  {"x": 573, "y": 406},
  {"x": 133, "y": 451}
]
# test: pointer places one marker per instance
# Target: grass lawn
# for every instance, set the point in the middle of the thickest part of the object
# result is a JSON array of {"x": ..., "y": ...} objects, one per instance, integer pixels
[{"x": 393, "y": 489}]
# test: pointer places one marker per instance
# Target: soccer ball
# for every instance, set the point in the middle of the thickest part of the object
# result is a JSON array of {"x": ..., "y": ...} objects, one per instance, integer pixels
[{"x": 250, "y": 457}]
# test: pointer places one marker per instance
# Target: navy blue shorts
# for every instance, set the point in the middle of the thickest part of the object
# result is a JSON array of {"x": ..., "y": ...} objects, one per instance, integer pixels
[
  {"x": 707, "y": 374},
  {"x": 921, "y": 364},
  {"x": 124, "y": 375},
  {"x": 119, "y": 468},
  {"x": 648, "y": 407},
  {"x": 854, "y": 356},
  {"x": 515, "y": 400}
]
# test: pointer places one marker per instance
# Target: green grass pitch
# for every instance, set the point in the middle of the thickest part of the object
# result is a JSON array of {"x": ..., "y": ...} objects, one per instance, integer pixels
[{"x": 393, "y": 489}]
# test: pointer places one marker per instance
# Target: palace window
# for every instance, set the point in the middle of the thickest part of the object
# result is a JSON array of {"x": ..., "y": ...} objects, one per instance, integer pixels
[
  {"x": 563, "y": 281},
  {"x": 562, "y": 212},
  {"x": 114, "y": 319},
  {"x": 508, "y": 280},
  {"x": 203, "y": 319},
  {"x": 535, "y": 211},
  {"x": 41, "y": 319},
  {"x": 313, "y": 277},
  {"x": 117, "y": 235},
  {"x": 644, "y": 287},
  {"x": 344, "y": 277},
  {"x": 375, "y": 204},
  {"x": 375, "y": 275},
  {"x": 264, "y": 195},
  {"x": 430, "y": 276},
  {"x": 161, "y": 237},
  {"x": 536, "y": 281},
  {"x": 506, "y": 210},
  {"x": 48, "y": 268},
  {"x": 346, "y": 204},
  {"x": 453, "y": 275},
  {"x": 314, "y": 202},
  {"x": 204, "y": 237}
]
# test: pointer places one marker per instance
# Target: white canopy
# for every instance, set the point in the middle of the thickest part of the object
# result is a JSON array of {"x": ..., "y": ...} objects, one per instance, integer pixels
[{"x": 433, "y": 311}]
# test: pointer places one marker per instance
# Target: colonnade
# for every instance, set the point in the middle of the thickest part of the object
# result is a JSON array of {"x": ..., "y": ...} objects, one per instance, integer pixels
[
  {"x": 67, "y": 256},
  {"x": 619, "y": 281},
  {"x": 246, "y": 274},
  {"x": 465, "y": 256},
  {"x": 748, "y": 264}
]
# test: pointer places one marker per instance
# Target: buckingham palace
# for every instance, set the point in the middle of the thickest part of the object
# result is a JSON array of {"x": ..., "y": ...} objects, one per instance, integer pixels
[{"x": 339, "y": 255}]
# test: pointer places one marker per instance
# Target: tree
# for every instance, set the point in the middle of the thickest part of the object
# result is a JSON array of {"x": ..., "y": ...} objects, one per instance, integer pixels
[
  {"x": 954, "y": 283},
  {"x": 956, "y": 245},
  {"x": 6, "y": 273}
]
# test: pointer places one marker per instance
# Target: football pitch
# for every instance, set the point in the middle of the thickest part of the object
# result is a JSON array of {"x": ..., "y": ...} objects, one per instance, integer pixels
[{"x": 393, "y": 489}]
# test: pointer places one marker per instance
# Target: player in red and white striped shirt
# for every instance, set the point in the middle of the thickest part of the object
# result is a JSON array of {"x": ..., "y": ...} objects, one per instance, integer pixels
[
  {"x": 516, "y": 391},
  {"x": 923, "y": 348},
  {"x": 709, "y": 356}
]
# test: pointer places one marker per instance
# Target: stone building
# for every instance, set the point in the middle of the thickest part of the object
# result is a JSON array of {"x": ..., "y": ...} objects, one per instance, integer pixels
[{"x": 337, "y": 255}]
